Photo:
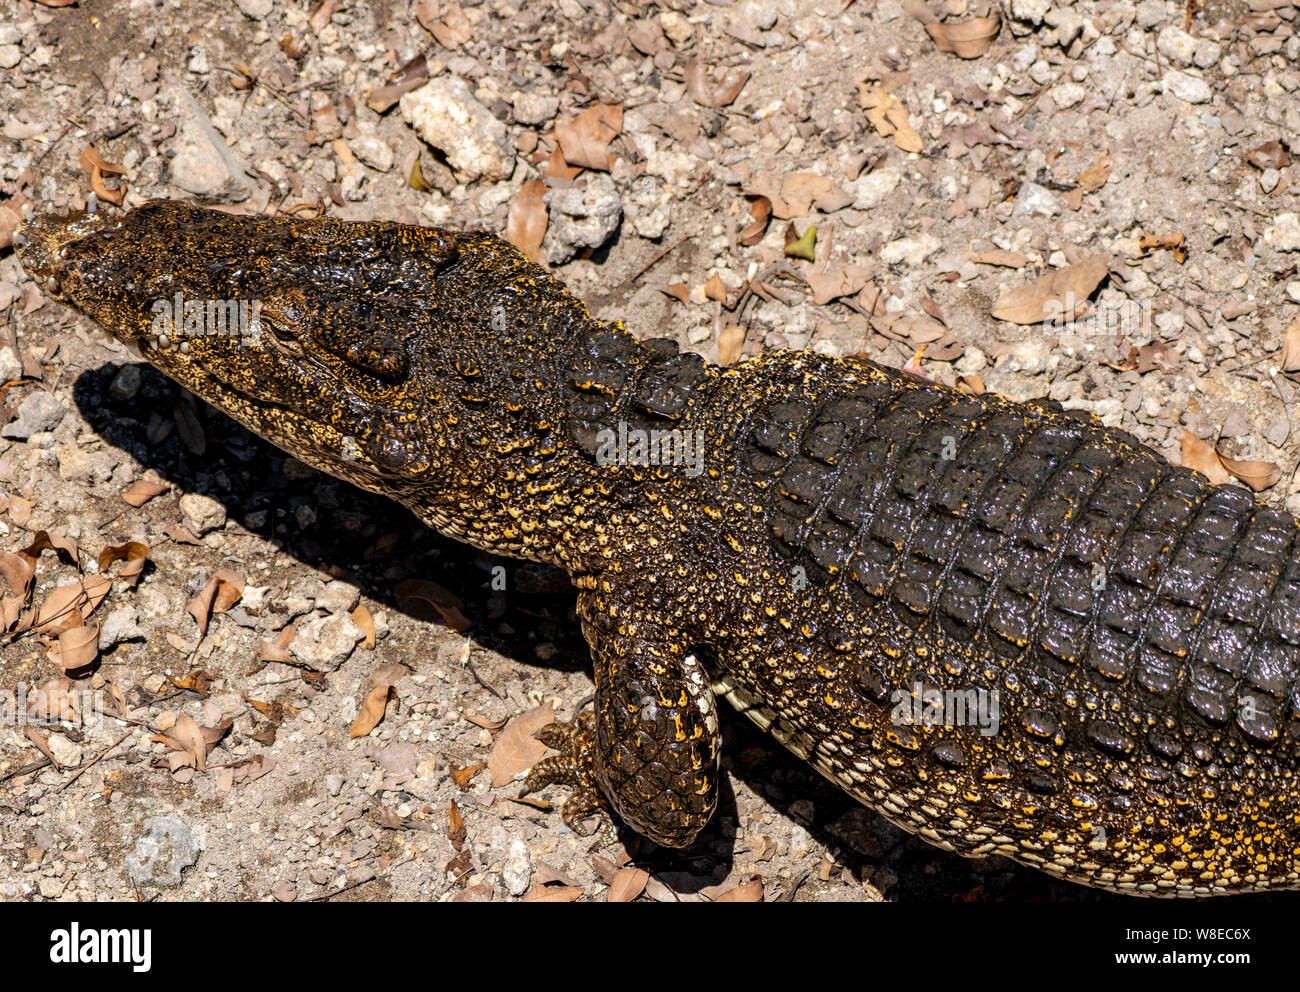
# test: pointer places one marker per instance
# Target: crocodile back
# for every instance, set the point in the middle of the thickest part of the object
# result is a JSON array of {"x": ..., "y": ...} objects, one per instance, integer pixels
[{"x": 1139, "y": 625}]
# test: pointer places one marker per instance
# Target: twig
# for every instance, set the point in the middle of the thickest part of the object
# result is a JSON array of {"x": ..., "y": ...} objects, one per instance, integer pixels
[
  {"x": 642, "y": 271},
  {"x": 35, "y": 766}
]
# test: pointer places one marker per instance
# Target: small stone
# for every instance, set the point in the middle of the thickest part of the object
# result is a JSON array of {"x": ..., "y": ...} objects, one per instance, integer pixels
[
  {"x": 1036, "y": 200},
  {"x": 1293, "y": 291},
  {"x": 1268, "y": 179},
  {"x": 1030, "y": 11},
  {"x": 325, "y": 643},
  {"x": 1176, "y": 45},
  {"x": 166, "y": 849},
  {"x": 203, "y": 164},
  {"x": 1152, "y": 13},
  {"x": 50, "y": 888},
  {"x": 582, "y": 217},
  {"x": 1068, "y": 24},
  {"x": 202, "y": 513},
  {"x": 1284, "y": 235},
  {"x": 1068, "y": 94},
  {"x": 517, "y": 872},
  {"x": 338, "y": 597},
  {"x": 126, "y": 383},
  {"x": 40, "y": 411},
  {"x": 533, "y": 108},
  {"x": 11, "y": 366},
  {"x": 255, "y": 9},
  {"x": 1187, "y": 87},
  {"x": 120, "y": 625},
  {"x": 676, "y": 26},
  {"x": 65, "y": 751},
  {"x": 373, "y": 151},
  {"x": 446, "y": 115},
  {"x": 10, "y": 56},
  {"x": 333, "y": 784},
  {"x": 910, "y": 251}
]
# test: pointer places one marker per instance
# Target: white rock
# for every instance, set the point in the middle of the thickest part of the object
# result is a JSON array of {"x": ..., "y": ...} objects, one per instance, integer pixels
[
  {"x": 1284, "y": 235},
  {"x": 676, "y": 26},
  {"x": 1187, "y": 87},
  {"x": 517, "y": 871},
  {"x": 911, "y": 251},
  {"x": 373, "y": 151},
  {"x": 202, "y": 513},
  {"x": 11, "y": 366},
  {"x": 255, "y": 9},
  {"x": 534, "y": 108},
  {"x": 1293, "y": 290},
  {"x": 1176, "y": 45},
  {"x": 445, "y": 114},
  {"x": 871, "y": 190},
  {"x": 1033, "y": 11},
  {"x": 1034, "y": 199},
  {"x": 582, "y": 217},
  {"x": 1068, "y": 94},
  {"x": 10, "y": 56}
]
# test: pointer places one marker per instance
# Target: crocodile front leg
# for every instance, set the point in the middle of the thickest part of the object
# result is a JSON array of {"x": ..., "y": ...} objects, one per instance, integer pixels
[{"x": 651, "y": 749}]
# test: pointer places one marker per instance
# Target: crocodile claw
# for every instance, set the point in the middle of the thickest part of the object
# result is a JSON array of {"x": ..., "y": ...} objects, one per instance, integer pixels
[{"x": 575, "y": 767}]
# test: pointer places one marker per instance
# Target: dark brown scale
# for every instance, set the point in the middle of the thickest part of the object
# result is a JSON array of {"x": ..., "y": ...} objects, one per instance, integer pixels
[{"x": 1112, "y": 643}]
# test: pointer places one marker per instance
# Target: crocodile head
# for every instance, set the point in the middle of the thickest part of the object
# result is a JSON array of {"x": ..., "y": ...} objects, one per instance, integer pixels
[{"x": 300, "y": 330}]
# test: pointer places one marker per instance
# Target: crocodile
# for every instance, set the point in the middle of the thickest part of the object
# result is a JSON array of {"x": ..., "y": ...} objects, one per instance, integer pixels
[{"x": 1008, "y": 628}]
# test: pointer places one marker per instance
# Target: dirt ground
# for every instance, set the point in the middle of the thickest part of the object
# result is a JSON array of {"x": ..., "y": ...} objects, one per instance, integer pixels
[{"x": 1081, "y": 131}]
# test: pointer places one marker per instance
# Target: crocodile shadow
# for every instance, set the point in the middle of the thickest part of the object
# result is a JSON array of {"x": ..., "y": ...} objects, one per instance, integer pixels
[{"x": 334, "y": 527}]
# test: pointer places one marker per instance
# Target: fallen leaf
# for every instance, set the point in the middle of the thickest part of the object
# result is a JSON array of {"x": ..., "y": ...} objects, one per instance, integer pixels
[
  {"x": 447, "y": 604},
  {"x": 44, "y": 541},
  {"x": 78, "y": 648},
  {"x": 140, "y": 492},
  {"x": 1177, "y": 243},
  {"x": 449, "y": 26},
  {"x": 517, "y": 750},
  {"x": 844, "y": 280},
  {"x": 1258, "y": 475},
  {"x": 971, "y": 384},
  {"x": 760, "y": 209},
  {"x": 61, "y": 609},
  {"x": 527, "y": 221},
  {"x": 277, "y": 650},
  {"x": 731, "y": 343},
  {"x": 584, "y": 140},
  {"x": 462, "y": 776},
  {"x": 628, "y": 883},
  {"x": 1201, "y": 456},
  {"x": 804, "y": 246},
  {"x": 362, "y": 618},
  {"x": 222, "y": 592},
  {"x": 967, "y": 39},
  {"x": 751, "y": 891},
  {"x": 715, "y": 289},
  {"x": 1291, "y": 348},
  {"x": 375, "y": 704},
  {"x": 410, "y": 76},
  {"x": 1095, "y": 178},
  {"x": 456, "y": 832},
  {"x": 135, "y": 554},
  {"x": 678, "y": 290},
  {"x": 708, "y": 94},
  {"x": 888, "y": 116},
  {"x": 1270, "y": 155},
  {"x": 552, "y": 893},
  {"x": 1060, "y": 294},
  {"x": 793, "y": 195},
  {"x": 190, "y": 743}
]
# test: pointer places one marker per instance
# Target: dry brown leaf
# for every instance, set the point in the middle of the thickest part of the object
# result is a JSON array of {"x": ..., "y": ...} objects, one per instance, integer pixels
[
  {"x": 362, "y": 618},
  {"x": 647, "y": 37},
  {"x": 1095, "y": 178},
  {"x": 54, "y": 702},
  {"x": 45, "y": 541},
  {"x": 731, "y": 342},
  {"x": 584, "y": 140},
  {"x": 528, "y": 219},
  {"x": 678, "y": 291},
  {"x": 999, "y": 256},
  {"x": 845, "y": 280},
  {"x": 372, "y": 710},
  {"x": 456, "y": 832},
  {"x": 17, "y": 570},
  {"x": 1270, "y": 155},
  {"x": 967, "y": 39},
  {"x": 222, "y": 592},
  {"x": 1201, "y": 456},
  {"x": 1061, "y": 294},
  {"x": 751, "y": 891},
  {"x": 1177, "y": 243},
  {"x": 715, "y": 289},
  {"x": 1258, "y": 475},
  {"x": 794, "y": 194},
  {"x": 462, "y": 776},
  {"x": 278, "y": 650},
  {"x": 77, "y": 648},
  {"x": 190, "y": 743},
  {"x": 1291, "y": 348},
  {"x": 140, "y": 492},
  {"x": 552, "y": 893},
  {"x": 760, "y": 209},
  {"x": 888, "y": 116},
  {"x": 517, "y": 750},
  {"x": 61, "y": 609},
  {"x": 971, "y": 384},
  {"x": 479, "y": 720},
  {"x": 448, "y": 605},
  {"x": 627, "y": 884},
  {"x": 134, "y": 553},
  {"x": 412, "y": 75},
  {"x": 709, "y": 94},
  {"x": 446, "y": 22}
]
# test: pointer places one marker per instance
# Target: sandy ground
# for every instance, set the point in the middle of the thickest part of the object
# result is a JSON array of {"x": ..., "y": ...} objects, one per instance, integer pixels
[{"x": 1081, "y": 131}]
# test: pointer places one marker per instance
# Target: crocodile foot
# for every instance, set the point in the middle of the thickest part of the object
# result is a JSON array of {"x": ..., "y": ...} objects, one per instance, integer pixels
[{"x": 574, "y": 766}]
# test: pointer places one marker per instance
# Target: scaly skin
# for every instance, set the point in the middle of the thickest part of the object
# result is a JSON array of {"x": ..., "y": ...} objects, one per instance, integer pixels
[{"x": 847, "y": 537}]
